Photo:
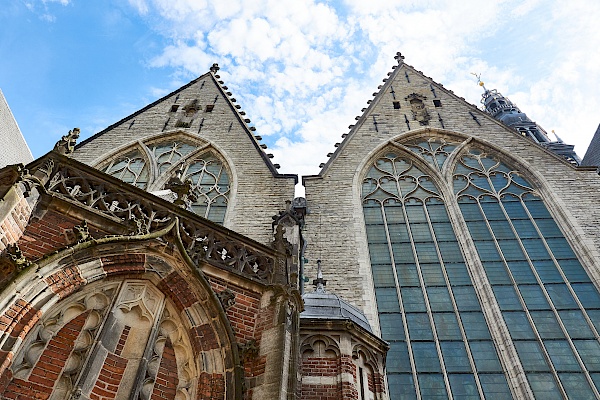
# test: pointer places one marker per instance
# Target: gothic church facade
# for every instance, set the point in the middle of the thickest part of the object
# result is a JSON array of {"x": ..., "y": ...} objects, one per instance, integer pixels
[{"x": 165, "y": 257}]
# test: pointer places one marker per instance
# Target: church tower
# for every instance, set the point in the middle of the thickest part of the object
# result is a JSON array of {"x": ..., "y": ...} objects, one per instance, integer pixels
[{"x": 506, "y": 111}]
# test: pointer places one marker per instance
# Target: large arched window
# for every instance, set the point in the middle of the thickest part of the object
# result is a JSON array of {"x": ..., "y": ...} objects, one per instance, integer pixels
[
  {"x": 150, "y": 165},
  {"x": 549, "y": 304},
  {"x": 428, "y": 309}
]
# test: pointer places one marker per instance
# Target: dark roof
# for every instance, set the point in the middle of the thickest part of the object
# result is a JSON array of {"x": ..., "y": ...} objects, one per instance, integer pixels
[{"x": 328, "y": 306}]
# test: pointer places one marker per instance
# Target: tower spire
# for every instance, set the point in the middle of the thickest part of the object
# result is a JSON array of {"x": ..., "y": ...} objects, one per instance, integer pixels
[{"x": 504, "y": 110}]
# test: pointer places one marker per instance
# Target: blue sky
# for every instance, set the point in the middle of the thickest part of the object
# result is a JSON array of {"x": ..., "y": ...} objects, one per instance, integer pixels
[{"x": 301, "y": 69}]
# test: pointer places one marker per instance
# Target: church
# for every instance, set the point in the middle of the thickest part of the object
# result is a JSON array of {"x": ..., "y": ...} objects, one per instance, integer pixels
[{"x": 444, "y": 251}]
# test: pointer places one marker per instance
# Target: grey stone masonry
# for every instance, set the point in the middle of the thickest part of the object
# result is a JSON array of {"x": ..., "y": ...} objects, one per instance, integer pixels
[
  {"x": 13, "y": 148},
  {"x": 258, "y": 191},
  {"x": 335, "y": 228}
]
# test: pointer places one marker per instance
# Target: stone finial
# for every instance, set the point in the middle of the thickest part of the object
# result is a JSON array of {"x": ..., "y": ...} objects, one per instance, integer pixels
[
  {"x": 183, "y": 189},
  {"x": 319, "y": 282},
  {"x": 66, "y": 145},
  {"x": 215, "y": 68},
  {"x": 399, "y": 57},
  {"x": 82, "y": 232}
]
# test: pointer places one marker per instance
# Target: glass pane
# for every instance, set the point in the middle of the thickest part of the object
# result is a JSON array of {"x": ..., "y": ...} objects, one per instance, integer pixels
[
  {"x": 391, "y": 326},
  {"x": 525, "y": 229},
  {"x": 521, "y": 272},
  {"x": 544, "y": 386},
  {"x": 587, "y": 294},
  {"x": 432, "y": 386},
  {"x": 475, "y": 325},
  {"x": 548, "y": 228},
  {"x": 432, "y": 274},
  {"x": 547, "y": 271},
  {"x": 561, "y": 297},
  {"x": 495, "y": 387},
  {"x": 450, "y": 251},
  {"x": 589, "y": 351},
  {"x": 518, "y": 325},
  {"x": 426, "y": 357},
  {"x": 458, "y": 274},
  {"x": 463, "y": 386},
  {"x": 419, "y": 327},
  {"x": 576, "y": 386},
  {"x": 383, "y": 275},
  {"x": 439, "y": 299},
  {"x": 574, "y": 271},
  {"x": 466, "y": 299},
  {"x": 407, "y": 274},
  {"x": 576, "y": 325},
  {"x": 534, "y": 297},
  {"x": 455, "y": 357},
  {"x": 511, "y": 250},
  {"x": 561, "y": 355},
  {"x": 426, "y": 252},
  {"x": 536, "y": 250},
  {"x": 547, "y": 325},
  {"x": 401, "y": 386},
  {"x": 446, "y": 326},
  {"x": 502, "y": 229},
  {"x": 412, "y": 300},
  {"x": 484, "y": 354},
  {"x": 496, "y": 273},
  {"x": 507, "y": 298},
  {"x": 531, "y": 356},
  {"x": 397, "y": 358},
  {"x": 387, "y": 300},
  {"x": 560, "y": 248}
]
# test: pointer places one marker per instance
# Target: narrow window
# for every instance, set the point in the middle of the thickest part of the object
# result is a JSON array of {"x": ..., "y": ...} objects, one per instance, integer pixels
[
  {"x": 396, "y": 105},
  {"x": 437, "y": 103},
  {"x": 174, "y": 108},
  {"x": 210, "y": 107}
]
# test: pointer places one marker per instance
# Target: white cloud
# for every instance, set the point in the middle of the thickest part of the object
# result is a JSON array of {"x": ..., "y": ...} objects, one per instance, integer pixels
[{"x": 303, "y": 69}]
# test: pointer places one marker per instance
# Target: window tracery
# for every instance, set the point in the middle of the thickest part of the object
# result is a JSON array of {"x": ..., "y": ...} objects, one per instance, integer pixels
[
  {"x": 433, "y": 149},
  {"x": 131, "y": 168},
  {"x": 428, "y": 309},
  {"x": 548, "y": 302},
  {"x": 150, "y": 167}
]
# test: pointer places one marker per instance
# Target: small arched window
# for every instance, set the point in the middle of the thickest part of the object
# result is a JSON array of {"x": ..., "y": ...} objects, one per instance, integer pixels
[{"x": 151, "y": 165}]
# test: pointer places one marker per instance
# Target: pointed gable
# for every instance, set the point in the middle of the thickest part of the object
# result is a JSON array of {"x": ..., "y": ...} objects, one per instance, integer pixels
[{"x": 201, "y": 129}]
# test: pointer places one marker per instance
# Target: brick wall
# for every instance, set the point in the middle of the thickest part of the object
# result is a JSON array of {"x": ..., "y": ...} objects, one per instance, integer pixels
[{"x": 46, "y": 371}]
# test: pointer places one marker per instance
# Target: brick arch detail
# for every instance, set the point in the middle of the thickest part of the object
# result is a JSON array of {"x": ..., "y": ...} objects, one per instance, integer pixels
[{"x": 193, "y": 300}]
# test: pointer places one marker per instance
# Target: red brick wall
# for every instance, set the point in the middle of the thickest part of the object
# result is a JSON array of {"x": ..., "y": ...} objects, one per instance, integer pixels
[
  {"x": 46, "y": 371},
  {"x": 321, "y": 367},
  {"x": 165, "y": 385}
]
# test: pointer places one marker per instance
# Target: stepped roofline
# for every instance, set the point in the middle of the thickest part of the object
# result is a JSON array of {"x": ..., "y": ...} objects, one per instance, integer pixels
[{"x": 212, "y": 74}]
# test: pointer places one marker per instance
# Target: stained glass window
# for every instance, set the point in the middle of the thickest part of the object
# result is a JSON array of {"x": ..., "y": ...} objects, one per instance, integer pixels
[
  {"x": 428, "y": 309},
  {"x": 546, "y": 298},
  {"x": 150, "y": 167}
]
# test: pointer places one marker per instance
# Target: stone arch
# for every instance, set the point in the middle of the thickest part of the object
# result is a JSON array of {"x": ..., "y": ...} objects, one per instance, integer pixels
[
  {"x": 186, "y": 331},
  {"x": 322, "y": 345}
]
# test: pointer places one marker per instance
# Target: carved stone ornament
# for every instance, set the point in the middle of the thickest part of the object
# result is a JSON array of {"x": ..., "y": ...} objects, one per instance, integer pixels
[
  {"x": 16, "y": 257},
  {"x": 227, "y": 298},
  {"x": 248, "y": 351},
  {"x": 82, "y": 232},
  {"x": 201, "y": 240},
  {"x": 66, "y": 145},
  {"x": 183, "y": 189},
  {"x": 418, "y": 108}
]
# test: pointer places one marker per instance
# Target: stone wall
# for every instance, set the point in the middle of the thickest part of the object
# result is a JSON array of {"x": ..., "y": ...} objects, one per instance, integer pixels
[{"x": 258, "y": 190}]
